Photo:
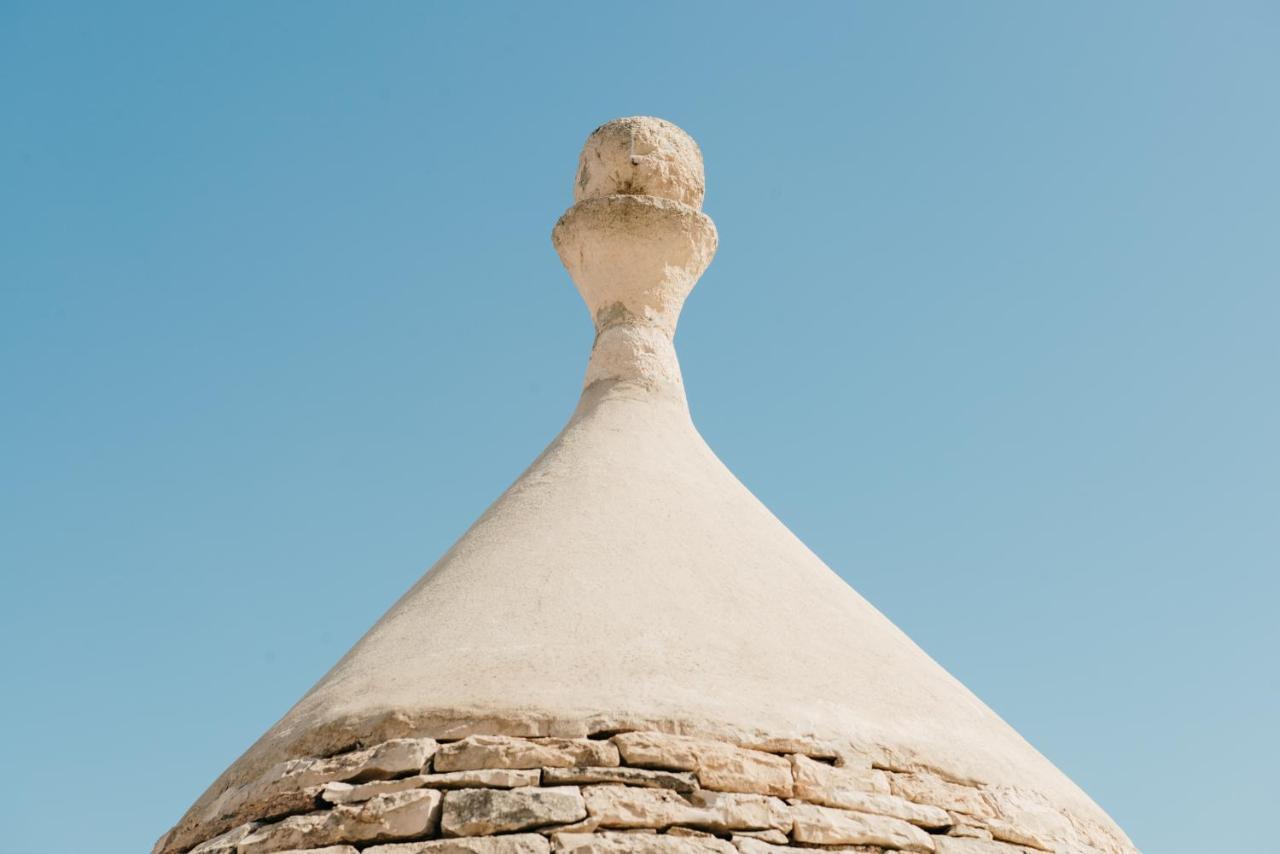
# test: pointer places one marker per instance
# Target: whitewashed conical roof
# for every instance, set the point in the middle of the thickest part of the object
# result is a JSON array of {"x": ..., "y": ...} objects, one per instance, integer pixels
[{"x": 628, "y": 580}]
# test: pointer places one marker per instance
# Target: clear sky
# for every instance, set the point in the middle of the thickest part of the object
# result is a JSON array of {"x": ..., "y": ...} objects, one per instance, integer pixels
[{"x": 993, "y": 328}]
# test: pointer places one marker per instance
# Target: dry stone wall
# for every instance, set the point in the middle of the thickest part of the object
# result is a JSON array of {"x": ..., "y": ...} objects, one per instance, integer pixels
[{"x": 629, "y": 793}]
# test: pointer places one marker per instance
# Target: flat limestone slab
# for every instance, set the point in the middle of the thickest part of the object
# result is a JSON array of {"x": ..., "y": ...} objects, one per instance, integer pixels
[
  {"x": 481, "y": 812},
  {"x": 516, "y": 843}
]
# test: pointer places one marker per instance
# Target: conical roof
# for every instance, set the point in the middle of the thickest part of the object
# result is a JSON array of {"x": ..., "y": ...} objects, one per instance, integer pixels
[{"x": 628, "y": 581}]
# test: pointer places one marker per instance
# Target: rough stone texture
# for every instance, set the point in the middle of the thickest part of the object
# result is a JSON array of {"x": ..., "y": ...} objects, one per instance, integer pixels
[
  {"x": 294, "y": 786},
  {"x": 493, "y": 778},
  {"x": 719, "y": 766},
  {"x": 389, "y": 759},
  {"x": 756, "y": 846},
  {"x": 328, "y": 849},
  {"x": 226, "y": 843},
  {"x": 926, "y": 788},
  {"x": 346, "y": 793},
  {"x": 777, "y": 837},
  {"x": 617, "y": 807},
  {"x": 734, "y": 811},
  {"x": 921, "y": 815},
  {"x": 659, "y": 750},
  {"x": 402, "y": 815},
  {"x": 841, "y": 808},
  {"x": 639, "y": 843},
  {"x": 732, "y": 769},
  {"x": 827, "y": 826},
  {"x": 479, "y": 812},
  {"x": 496, "y": 751},
  {"x": 960, "y": 845},
  {"x": 674, "y": 780},
  {"x": 625, "y": 807},
  {"x": 634, "y": 259},
  {"x": 516, "y": 843},
  {"x": 815, "y": 781},
  {"x": 264, "y": 800},
  {"x": 751, "y": 845},
  {"x": 1026, "y": 819},
  {"x": 641, "y": 155},
  {"x": 963, "y": 825},
  {"x": 1005, "y": 831}
]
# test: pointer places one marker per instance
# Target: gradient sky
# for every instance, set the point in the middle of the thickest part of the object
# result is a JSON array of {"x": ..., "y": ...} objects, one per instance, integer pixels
[{"x": 993, "y": 327}]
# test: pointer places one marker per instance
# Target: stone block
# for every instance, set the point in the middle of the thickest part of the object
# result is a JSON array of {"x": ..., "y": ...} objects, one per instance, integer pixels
[
  {"x": 675, "y": 780},
  {"x": 775, "y": 837},
  {"x": 925, "y": 788},
  {"x": 226, "y": 842},
  {"x": 494, "y": 778},
  {"x": 721, "y": 812},
  {"x": 818, "y": 782},
  {"x": 500, "y": 751},
  {"x": 638, "y": 843},
  {"x": 921, "y": 815},
  {"x": 480, "y": 812},
  {"x": 720, "y": 766},
  {"x": 963, "y": 845},
  {"x": 515, "y": 843},
  {"x": 385, "y": 818},
  {"x": 827, "y": 826}
]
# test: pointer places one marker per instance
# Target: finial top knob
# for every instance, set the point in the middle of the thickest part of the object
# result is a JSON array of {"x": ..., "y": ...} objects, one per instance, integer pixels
[{"x": 641, "y": 156}]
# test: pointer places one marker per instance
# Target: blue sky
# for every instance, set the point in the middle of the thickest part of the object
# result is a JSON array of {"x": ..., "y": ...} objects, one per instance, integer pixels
[{"x": 993, "y": 328}]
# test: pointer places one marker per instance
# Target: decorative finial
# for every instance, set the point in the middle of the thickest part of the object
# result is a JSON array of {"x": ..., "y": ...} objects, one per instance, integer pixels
[
  {"x": 635, "y": 243},
  {"x": 641, "y": 156}
]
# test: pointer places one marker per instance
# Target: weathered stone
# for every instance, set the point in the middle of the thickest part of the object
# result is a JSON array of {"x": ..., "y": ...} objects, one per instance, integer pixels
[
  {"x": 226, "y": 842},
  {"x": 756, "y": 846},
  {"x": 328, "y": 849},
  {"x": 401, "y": 815},
  {"x": 750, "y": 845},
  {"x": 590, "y": 824},
  {"x": 483, "y": 778},
  {"x": 493, "y": 778},
  {"x": 962, "y": 845},
  {"x": 777, "y": 837},
  {"x": 345, "y": 793},
  {"x": 293, "y": 786},
  {"x": 623, "y": 807},
  {"x": 515, "y": 843},
  {"x": 828, "y": 826},
  {"x": 638, "y": 843},
  {"x": 500, "y": 751},
  {"x": 1006, "y": 831},
  {"x": 1027, "y": 818},
  {"x": 659, "y": 750},
  {"x": 963, "y": 825},
  {"x": 922, "y": 815},
  {"x": 689, "y": 831},
  {"x": 819, "y": 782},
  {"x": 674, "y": 780},
  {"x": 735, "y": 811},
  {"x": 643, "y": 156},
  {"x": 719, "y": 766},
  {"x": 388, "y": 759},
  {"x": 925, "y": 788},
  {"x": 479, "y": 812},
  {"x": 734, "y": 769}
]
